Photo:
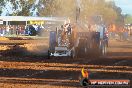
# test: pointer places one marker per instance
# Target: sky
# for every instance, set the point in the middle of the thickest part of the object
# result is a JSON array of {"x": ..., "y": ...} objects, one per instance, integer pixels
[{"x": 126, "y": 5}]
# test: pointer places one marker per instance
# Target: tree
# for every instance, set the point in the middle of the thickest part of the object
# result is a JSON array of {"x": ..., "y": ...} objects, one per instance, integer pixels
[
  {"x": 128, "y": 19},
  {"x": 1, "y": 4},
  {"x": 58, "y": 8},
  {"x": 19, "y": 7}
]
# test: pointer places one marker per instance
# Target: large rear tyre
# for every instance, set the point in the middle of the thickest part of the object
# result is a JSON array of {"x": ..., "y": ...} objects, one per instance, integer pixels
[
  {"x": 49, "y": 54},
  {"x": 104, "y": 50}
]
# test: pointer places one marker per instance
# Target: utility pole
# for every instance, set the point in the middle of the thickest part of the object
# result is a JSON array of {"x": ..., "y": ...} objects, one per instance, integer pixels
[{"x": 78, "y": 7}]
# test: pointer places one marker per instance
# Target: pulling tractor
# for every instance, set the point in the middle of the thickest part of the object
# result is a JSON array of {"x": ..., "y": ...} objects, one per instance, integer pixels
[
  {"x": 76, "y": 40},
  {"x": 79, "y": 42}
]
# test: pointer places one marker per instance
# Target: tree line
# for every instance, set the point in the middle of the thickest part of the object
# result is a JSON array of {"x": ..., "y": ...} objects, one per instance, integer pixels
[{"x": 66, "y": 8}]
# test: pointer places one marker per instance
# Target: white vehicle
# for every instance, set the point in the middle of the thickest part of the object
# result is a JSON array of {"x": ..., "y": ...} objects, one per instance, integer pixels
[
  {"x": 61, "y": 52},
  {"x": 59, "y": 44}
]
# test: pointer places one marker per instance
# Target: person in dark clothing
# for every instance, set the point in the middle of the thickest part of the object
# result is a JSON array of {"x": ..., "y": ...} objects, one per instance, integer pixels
[
  {"x": 33, "y": 32},
  {"x": 85, "y": 78},
  {"x": 69, "y": 29}
]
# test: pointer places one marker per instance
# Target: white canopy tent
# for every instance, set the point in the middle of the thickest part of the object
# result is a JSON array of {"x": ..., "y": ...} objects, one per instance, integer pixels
[
  {"x": 28, "y": 18},
  {"x": 7, "y": 21}
]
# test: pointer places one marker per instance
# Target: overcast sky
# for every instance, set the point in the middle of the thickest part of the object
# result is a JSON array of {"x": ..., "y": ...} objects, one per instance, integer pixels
[{"x": 126, "y": 5}]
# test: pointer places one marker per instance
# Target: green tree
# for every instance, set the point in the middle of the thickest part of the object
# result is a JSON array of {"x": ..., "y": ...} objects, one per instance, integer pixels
[
  {"x": 128, "y": 19},
  {"x": 58, "y": 8},
  {"x": 20, "y": 7}
]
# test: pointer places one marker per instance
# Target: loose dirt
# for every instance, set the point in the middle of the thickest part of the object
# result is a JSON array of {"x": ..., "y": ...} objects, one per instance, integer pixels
[{"x": 37, "y": 71}]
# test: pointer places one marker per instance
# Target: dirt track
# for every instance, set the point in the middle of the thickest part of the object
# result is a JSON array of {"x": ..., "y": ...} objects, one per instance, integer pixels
[{"x": 40, "y": 72}]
